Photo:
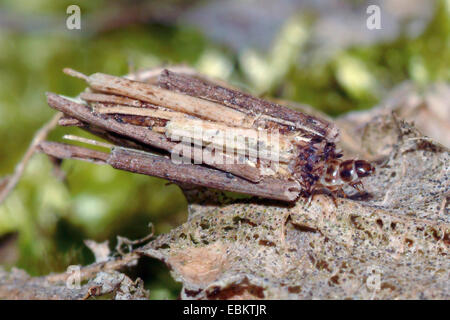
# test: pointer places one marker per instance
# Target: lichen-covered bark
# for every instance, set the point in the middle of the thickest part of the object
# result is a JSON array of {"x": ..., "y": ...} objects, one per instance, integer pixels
[
  {"x": 391, "y": 242},
  {"x": 103, "y": 278},
  {"x": 18, "y": 285}
]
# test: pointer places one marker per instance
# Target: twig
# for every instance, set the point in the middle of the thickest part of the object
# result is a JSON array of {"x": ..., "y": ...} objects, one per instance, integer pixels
[
  {"x": 40, "y": 136},
  {"x": 141, "y": 134},
  {"x": 110, "y": 98},
  {"x": 91, "y": 270},
  {"x": 69, "y": 122},
  {"x": 65, "y": 151},
  {"x": 139, "y": 162},
  {"x": 147, "y": 112},
  {"x": 104, "y": 134},
  {"x": 169, "y": 99},
  {"x": 158, "y": 166},
  {"x": 130, "y": 243},
  {"x": 87, "y": 141},
  {"x": 4, "y": 182},
  {"x": 256, "y": 141},
  {"x": 84, "y": 114},
  {"x": 245, "y": 103}
]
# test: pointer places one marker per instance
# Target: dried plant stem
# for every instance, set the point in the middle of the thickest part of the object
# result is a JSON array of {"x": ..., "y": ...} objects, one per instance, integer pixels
[
  {"x": 109, "y": 98},
  {"x": 140, "y": 134},
  {"x": 138, "y": 162},
  {"x": 69, "y": 122},
  {"x": 227, "y": 163},
  {"x": 84, "y": 114},
  {"x": 257, "y": 142},
  {"x": 87, "y": 141},
  {"x": 66, "y": 151},
  {"x": 40, "y": 136},
  {"x": 89, "y": 271},
  {"x": 169, "y": 99},
  {"x": 246, "y": 103},
  {"x": 151, "y": 75},
  {"x": 146, "y": 112},
  {"x": 144, "y": 163}
]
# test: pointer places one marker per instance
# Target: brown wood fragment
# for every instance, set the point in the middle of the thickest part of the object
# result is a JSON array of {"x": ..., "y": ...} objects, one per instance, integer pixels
[
  {"x": 169, "y": 99},
  {"x": 257, "y": 142},
  {"x": 152, "y": 165},
  {"x": 69, "y": 122},
  {"x": 66, "y": 151},
  {"x": 225, "y": 162},
  {"x": 147, "y": 112},
  {"x": 109, "y": 98},
  {"x": 246, "y": 103},
  {"x": 138, "y": 133},
  {"x": 138, "y": 162},
  {"x": 84, "y": 113}
]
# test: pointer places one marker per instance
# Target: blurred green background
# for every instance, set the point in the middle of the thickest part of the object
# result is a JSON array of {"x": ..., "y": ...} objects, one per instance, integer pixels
[{"x": 44, "y": 221}]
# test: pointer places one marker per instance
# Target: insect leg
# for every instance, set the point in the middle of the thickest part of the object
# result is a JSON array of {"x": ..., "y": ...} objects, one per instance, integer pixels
[{"x": 358, "y": 186}]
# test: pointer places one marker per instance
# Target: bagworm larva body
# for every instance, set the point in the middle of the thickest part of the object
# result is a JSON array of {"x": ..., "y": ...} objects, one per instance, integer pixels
[{"x": 349, "y": 172}]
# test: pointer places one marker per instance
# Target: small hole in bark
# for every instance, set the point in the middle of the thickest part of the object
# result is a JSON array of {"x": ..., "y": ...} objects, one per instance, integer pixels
[
  {"x": 266, "y": 243},
  {"x": 322, "y": 265},
  {"x": 238, "y": 219},
  {"x": 446, "y": 239},
  {"x": 295, "y": 289},
  {"x": 236, "y": 290},
  {"x": 163, "y": 246},
  {"x": 355, "y": 222},
  {"x": 380, "y": 223},
  {"x": 193, "y": 240},
  {"x": 303, "y": 228},
  {"x": 204, "y": 225},
  {"x": 387, "y": 285},
  {"x": 334, "y": 279},
  {"x": 436, "y": 235},
  {"x": 192, "y": 293}
]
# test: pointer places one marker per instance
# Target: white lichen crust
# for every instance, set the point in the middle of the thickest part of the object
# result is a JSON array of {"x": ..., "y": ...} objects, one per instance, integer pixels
[{"x": 390, "y": 243}]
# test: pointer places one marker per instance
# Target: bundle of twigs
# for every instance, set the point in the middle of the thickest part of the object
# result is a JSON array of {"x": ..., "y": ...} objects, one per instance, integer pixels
[{"x": 247, "y": 145}]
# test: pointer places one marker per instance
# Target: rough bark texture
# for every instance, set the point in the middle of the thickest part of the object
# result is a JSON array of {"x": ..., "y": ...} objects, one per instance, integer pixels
[
  {"x": 244, "y": 102},
  {"x": 18, "y": 285},
  {"x": 391, "y": 243}
]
